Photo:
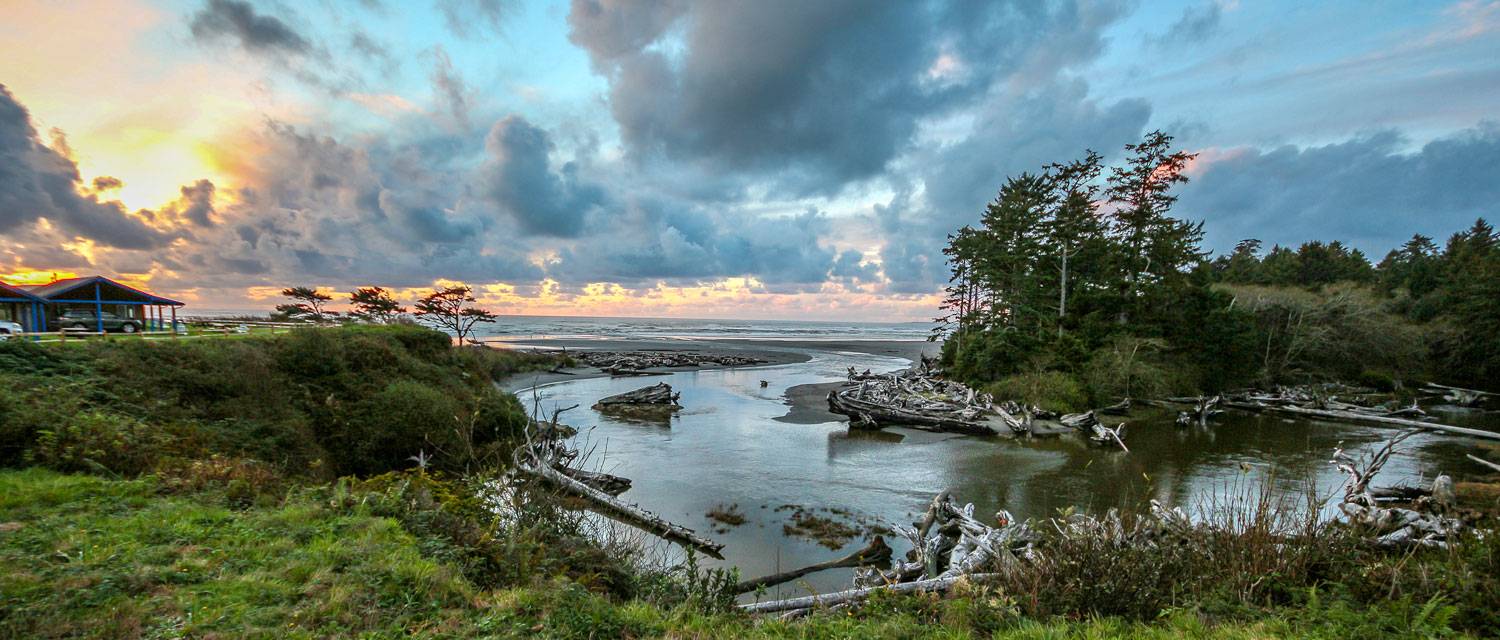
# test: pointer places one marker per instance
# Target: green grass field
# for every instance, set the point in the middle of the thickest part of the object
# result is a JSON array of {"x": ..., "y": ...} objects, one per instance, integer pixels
[{"x": 87, "y": 557}]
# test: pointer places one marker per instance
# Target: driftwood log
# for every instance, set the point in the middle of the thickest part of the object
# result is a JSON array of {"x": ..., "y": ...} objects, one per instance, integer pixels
[
  {"x": 1203, "y": 409},
  {"x": 657, "y": 394},
  {"x": 935, "y": 585},
  {"x": 875, "y": 553},
  {"x": 1350, "y": 416},
  {"x": 1487, "y": 463},
  {"x": 1394, "y": 526},
  {"x": 546, "y": 460}
]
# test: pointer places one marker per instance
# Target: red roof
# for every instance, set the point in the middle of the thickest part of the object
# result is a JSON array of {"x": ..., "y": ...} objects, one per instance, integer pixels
[
  {"x": 55, "y": 290},
  {"x": 17, "y": 291}
]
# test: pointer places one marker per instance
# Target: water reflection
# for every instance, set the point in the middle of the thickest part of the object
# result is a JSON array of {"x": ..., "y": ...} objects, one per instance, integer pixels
[{"x": 726, "y": 447}]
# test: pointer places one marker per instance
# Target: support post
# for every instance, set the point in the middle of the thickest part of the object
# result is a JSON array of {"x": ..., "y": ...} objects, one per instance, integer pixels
[{"x": 98, "y": 307}]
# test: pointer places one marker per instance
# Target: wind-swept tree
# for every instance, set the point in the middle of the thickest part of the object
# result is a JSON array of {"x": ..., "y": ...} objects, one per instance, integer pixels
[
  {"x": 451, "y": 308},
  {"x": 375, "y": 304},
  {"x": 1155, "y": 247},
  {"x": 307, "y": 303}
]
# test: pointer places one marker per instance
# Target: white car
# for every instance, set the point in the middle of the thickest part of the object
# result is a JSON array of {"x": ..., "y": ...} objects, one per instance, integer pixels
[{"x": 8, "y": 328}]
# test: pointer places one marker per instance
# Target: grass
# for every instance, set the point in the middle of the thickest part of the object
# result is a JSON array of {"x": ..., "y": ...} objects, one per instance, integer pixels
[
  {"x": 88, "y": 557},
  {"x": 114, "y": 559}
]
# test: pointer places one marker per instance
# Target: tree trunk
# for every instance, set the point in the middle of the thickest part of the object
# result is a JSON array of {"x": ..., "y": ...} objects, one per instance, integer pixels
[
  {"x": 936, "y": 585},
  {"x": 877, "y": 552},
  {"x": 632, "y": 515}
]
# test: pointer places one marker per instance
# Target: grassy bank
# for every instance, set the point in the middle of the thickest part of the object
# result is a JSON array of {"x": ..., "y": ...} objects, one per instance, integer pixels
[
  {"x": 265, "y": 487},
  {"x": 85, "y": 556}
]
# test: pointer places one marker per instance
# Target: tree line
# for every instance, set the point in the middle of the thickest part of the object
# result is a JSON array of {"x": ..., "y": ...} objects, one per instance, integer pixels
[
  {"x": 451, "y": 308},
  {"x": 1080, "y": 281}
]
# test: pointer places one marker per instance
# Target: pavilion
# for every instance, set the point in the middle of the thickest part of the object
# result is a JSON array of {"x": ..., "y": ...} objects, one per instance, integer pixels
[{"x": 98, "y": 294}]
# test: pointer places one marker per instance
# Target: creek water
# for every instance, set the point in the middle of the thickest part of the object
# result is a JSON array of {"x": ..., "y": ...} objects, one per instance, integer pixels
[{"x": 726, "y": 447}]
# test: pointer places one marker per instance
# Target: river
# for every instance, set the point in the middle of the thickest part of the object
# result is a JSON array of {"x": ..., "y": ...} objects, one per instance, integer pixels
[{"x": 726, "y": 447}]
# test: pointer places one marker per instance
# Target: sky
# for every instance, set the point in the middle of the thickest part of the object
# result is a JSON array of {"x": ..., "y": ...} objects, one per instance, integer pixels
[{"x": 765, "y": 159}]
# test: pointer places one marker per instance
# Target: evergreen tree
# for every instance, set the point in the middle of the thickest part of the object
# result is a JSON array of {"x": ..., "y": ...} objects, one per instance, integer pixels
[{"x": 1154, "y": 247}]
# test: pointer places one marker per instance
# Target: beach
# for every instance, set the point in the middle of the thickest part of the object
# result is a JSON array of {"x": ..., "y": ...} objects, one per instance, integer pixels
[{"x": 805, "y": 402}]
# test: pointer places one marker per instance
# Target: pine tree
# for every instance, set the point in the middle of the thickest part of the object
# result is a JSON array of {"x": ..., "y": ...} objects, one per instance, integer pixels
[{"x": 1154, "y": 246}]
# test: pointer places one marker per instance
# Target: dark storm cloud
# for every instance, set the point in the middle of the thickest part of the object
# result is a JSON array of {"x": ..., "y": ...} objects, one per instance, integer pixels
[
  {"x": 237, "y": 21},
  {"x": 38, "y": 182},
  {"x": 198, "y": 203},
  {"x": 107, "y": 183},
  {"x": 470, "y": 18},
  {"x": 1371, "y": 191},
  {"x": 523, "y": 184},
  {"x": 813, "y": 93}
]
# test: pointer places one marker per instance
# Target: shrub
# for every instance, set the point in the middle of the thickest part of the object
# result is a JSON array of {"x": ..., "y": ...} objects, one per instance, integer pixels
[
  {"x": 96, "y": 441},
  {"x": 1128, "y": 367},
  {"x": 1052, "y": 390},
  {"x": 313, "y": 401}
]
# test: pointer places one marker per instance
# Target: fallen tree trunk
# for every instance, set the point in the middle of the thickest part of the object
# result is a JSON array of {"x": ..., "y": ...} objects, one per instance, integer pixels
[
  {"x": 877, "y": 552},
  {"x": 1487, "y": 463},
  {"x": 610, "y": 484},
  {"x": 935, "y": 585},
  {"x": 656, "y": 394},
  {"x": 1349, "y": 416},
  {"x": 612, "y": 507}
]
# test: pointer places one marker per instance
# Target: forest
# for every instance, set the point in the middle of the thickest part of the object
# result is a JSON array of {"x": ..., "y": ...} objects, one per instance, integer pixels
[{"x": 1082, "y": 285}]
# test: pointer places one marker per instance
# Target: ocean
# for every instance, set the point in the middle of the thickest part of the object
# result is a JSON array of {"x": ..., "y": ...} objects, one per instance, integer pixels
[{"x": 584, "y": 328}]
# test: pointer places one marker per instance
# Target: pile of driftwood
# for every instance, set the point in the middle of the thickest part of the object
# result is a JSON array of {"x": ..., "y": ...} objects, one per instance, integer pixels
[
  {"x": 639, "y": 363},
  {"x": 1458, "y": 395},
  {"x": 948, "y": 545},
  {"x": 915, "y": 398},
  {"x": 912, "y": 399},
  {"x": 1426, "y": 523},
  {"x": 1316, "y": 403}
]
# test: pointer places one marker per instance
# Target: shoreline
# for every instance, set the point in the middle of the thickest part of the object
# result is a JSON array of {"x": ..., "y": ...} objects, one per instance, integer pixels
[{"x": 805, "y": 403}]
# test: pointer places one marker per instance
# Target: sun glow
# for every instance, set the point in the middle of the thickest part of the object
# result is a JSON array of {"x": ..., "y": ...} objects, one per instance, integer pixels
[
  {"x": 27, "y": 276},
  {"x": 153, "y": 165}
]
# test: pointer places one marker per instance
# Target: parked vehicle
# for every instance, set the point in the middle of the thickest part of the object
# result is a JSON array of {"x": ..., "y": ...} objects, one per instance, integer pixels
[
  {"x": 85, "y": 320},
  {"x": 8, "y": 329}
]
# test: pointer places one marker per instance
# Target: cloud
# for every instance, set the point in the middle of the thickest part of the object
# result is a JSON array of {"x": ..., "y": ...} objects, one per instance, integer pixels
[
  {"x": 1369, "y": 191},
  {"x": 651, "y": 239},
  {"x": 237, "y": 21},
  {"x": 37, "y": 183},
  {"x": 198, "y": 203},
  {"x": 469, "y": 18},
  {"x": 522, "y": 183},
  {"x": 311, "y": 207},
  {"x": 1011, "y": 134},
  {"x": 450, "y": 87},
  {"x": 812, "y": 94},
  {"x": 1195, "y": 26}
]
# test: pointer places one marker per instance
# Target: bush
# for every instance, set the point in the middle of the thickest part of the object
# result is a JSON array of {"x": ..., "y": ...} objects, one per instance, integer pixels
[
  {"x": 311, "y": 402},
  {"x": 1131, "y": 367},
  {"x": 96, "y": 441},
  {"x": 1053, "y": 390}
]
